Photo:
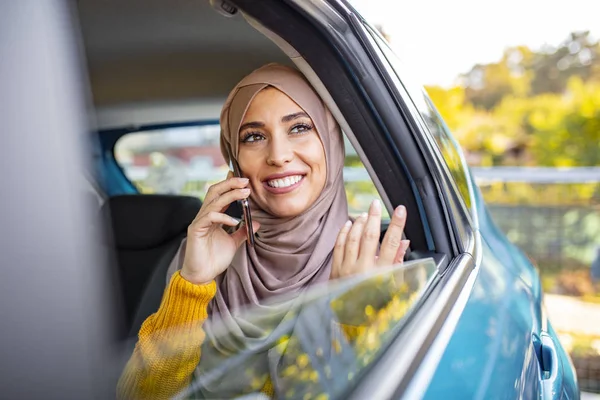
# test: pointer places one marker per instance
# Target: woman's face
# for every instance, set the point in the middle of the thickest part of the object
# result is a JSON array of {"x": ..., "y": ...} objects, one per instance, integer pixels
[{"x": 281, "y": 154}]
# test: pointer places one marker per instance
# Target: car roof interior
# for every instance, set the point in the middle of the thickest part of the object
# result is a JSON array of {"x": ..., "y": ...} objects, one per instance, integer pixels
[{"x": 149, "y": 53}]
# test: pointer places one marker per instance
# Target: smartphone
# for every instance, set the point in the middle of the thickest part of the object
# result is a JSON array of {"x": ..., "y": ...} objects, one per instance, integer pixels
[{"x": 244, "y": 203}]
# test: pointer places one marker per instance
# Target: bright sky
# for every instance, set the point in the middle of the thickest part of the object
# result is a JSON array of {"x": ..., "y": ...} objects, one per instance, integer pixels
[{"x": 439, "y": 39}]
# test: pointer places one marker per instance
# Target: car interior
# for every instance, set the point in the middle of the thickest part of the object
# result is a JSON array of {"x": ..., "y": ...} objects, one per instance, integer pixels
[{"x": 171, "y": 66}]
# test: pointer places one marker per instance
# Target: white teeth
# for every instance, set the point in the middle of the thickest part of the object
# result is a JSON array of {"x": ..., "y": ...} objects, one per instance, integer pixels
[{"x": 285, "y": 182}]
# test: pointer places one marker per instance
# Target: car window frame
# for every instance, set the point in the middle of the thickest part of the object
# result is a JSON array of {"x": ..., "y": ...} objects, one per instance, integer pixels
[
  {"x": 116, "y": 181},
  {"x": 459, "y": 216},
  {"x": 413, "y": 91}
]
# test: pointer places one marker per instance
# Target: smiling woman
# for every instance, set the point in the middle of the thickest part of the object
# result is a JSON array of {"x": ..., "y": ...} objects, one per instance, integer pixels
[{"x": 282, "y": 156}]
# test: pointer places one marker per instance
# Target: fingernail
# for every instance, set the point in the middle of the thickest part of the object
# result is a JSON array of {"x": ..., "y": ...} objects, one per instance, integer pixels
[
  {"x": 244, "y": 180},
  {"x": 235, "y": 220},
  {"x": 347, "y": 224},
  {"x": 245, "y": 191},
  {"x": 400, "y": 211},
  {"x": 376, "y": 205},
  {"x": 405, "y": 243},
  {"x": 364, "y": 215}
]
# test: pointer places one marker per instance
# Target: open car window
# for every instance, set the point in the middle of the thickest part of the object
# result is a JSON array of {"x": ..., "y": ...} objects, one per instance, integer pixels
[
  {"x": 315, "y": 345},
  {"x": 187, "y": 160}
]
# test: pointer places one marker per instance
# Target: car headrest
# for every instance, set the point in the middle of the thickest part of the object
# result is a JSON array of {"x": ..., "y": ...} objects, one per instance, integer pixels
[{"x": 145, "y": 221}]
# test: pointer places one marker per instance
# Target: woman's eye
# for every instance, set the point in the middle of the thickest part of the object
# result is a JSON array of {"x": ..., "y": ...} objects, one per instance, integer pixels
[
  {"x": 252, "y": 137},
  {"x": 300, "y": 128}
]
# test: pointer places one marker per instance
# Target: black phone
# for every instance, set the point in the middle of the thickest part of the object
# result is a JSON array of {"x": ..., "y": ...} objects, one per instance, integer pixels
[{"x": 244, "y": 203}]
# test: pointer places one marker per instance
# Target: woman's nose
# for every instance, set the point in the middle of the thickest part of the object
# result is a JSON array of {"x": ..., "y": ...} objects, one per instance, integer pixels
[{"x": 280, "y": 152}]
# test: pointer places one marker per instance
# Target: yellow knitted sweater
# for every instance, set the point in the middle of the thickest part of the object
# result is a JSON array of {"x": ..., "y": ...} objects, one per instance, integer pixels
[{"x": 169, "y": 341}]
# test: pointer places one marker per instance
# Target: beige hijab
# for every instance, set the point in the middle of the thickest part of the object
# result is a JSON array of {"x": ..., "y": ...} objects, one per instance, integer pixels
[{"x": 289, "y": 253}]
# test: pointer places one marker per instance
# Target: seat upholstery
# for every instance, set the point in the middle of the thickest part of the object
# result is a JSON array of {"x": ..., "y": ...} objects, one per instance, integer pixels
[{"x": 147, "y": 231}]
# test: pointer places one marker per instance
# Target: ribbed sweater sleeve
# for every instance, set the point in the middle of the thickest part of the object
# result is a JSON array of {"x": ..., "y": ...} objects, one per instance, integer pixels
[{"x": 169, "y": 341}]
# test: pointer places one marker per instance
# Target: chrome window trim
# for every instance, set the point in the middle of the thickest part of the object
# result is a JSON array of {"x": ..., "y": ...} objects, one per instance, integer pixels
[
  {"x": 406, "y": 367},
  {"x": 422, "y": 377}
]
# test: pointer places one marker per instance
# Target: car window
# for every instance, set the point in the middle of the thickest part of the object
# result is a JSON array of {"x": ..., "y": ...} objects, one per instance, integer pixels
[
  {"x": 187, "y": 160},
  {"x": 314, "y": 345},
  {"x": 178, "y": 160},
  {"x": 448, "y": 146}
]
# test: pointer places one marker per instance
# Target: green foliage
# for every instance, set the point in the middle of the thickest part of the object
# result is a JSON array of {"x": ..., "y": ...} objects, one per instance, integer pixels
[{"x": 530, "y": 108}]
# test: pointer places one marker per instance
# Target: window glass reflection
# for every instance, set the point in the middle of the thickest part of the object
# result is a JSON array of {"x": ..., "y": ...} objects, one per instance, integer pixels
[{"x": 316, "y": 345}]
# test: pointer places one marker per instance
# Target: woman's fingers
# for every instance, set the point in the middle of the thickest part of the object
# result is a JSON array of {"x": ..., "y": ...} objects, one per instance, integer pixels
[
  {"x": 240, "y": 235},
  {"x": 218, "y": 189},
  {"x": 393, "y": 237},
  {"x": 356, "y": 245},
  {"x": 223, "y": 201},
  {"x": 213, "y": 200},
  {"x": 370, "y": 237},
  {"x": 353, "y": 240},
  {"x": 212, "y": 218},
  {"x": 339, "y": 249},
  {"x": 401, "y": 252}
]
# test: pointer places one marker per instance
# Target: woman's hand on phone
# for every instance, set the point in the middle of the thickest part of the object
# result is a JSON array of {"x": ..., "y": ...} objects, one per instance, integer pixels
[
  {"x": 209, "y": 248},
  {"x": 357, "y": 243}
]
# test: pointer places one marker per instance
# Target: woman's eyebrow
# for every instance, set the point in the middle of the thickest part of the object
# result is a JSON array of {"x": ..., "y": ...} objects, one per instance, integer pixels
[
  {"x": 252, "y": 124},
  {"x": 294, "y": 116}
]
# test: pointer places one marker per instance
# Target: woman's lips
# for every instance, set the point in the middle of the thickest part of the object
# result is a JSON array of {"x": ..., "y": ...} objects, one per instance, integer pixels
[{"x": 285, "y": 189}]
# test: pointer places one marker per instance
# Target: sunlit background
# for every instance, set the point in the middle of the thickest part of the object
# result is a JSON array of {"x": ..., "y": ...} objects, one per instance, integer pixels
[
  {"x": 518, "y": 83},
  {"x": 446, "y": 39}
]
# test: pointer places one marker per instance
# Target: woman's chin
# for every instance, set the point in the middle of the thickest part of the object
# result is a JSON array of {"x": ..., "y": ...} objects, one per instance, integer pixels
[{"x": 288, "y": 210}]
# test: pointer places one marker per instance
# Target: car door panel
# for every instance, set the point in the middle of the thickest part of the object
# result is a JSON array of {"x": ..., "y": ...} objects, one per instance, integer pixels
[
  {"x": 514, "y": 260},
  {"x": 491, "y": 353}
]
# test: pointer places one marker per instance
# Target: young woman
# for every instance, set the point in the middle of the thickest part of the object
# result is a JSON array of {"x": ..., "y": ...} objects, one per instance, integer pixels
[{"x": 290, "y": 151}]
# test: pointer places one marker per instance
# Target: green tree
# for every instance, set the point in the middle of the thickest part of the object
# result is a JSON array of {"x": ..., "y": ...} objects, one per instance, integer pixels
[
  {"x": 577, "y": 56},
  {"x": 566, "y": 128},
  {"x": 487, "y": 84},
  {"x": 529, "y": 108}
]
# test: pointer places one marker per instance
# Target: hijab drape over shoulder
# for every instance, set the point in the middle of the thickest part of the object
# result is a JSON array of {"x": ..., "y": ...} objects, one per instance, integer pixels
[{"x": 290, "y": 254}]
